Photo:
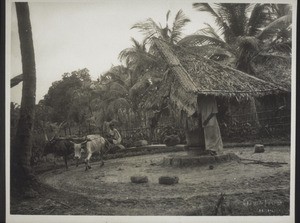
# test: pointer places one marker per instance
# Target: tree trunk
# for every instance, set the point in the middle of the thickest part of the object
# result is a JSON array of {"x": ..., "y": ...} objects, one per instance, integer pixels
[{"x": 22, "y": 176}]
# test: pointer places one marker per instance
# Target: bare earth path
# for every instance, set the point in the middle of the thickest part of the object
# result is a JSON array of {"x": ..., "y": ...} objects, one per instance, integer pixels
[{"x": 249, "y": 189}]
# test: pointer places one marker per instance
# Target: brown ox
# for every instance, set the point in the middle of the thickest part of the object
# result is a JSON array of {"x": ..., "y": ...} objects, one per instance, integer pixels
[{"x": 94, "y": 144}]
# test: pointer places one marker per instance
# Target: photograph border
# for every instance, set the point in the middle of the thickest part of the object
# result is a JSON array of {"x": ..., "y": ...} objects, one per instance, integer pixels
[{"x": 145, "y": 219}]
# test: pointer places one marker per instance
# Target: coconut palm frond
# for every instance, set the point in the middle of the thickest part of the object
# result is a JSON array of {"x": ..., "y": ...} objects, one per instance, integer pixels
[
  {"x": 112, "y": 94},
  {"x": 114, "y": 86},
  {"x": 285, "y": 34},
  {"x": 265, "y": 57},
  {"x": 139, "y": 46},
  {"x": 236, "y": 17},
  {"x": 100, "y": 104},
  {"x": 283, "y": 47},
  {"x": 258, "y": 19},
  {"x": 167, "y": 16},
  {"x": 180, "y": 21},
  {"x": 281, "y": 9},
  {"x": 140, "y": 84},
  {"x": 149, "y": 28},
  {"x": 199, "y": 40},
  {"x": 136, "y": 43},
  {"x": 248, "y": 47},
  {"x": 147, "y": 57},
  {"x": 209, "y": 31},
  {"x": 95, "y": 103},
  {"x": 99, "y": 116},
  {"x": 120, "y": 103},
  {"x": 131, "y": 55},
  {"x": 146, "y": 60},
  {"x": 126, "y": 54},
  {"x": 117, "y": 78},
  {"x": 273, "y": 27},
  {"x": 137, "y": 55},
  {"x": 205, "y": 7}
]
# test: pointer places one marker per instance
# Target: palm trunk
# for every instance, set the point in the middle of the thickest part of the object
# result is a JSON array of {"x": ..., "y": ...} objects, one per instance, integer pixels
[{"x": 21, "y": 153}]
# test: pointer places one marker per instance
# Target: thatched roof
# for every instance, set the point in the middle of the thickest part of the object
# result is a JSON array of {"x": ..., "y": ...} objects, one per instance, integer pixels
[
  {"x": 275, "y": 69},
  {"x": 192, "y": 75}
]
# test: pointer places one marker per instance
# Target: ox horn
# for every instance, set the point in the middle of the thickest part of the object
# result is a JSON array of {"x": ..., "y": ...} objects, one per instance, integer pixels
[
  {"x": 46, "y": 137},
  {"x": 85, "y": 141},
  {"x": 78, "y": 143}
]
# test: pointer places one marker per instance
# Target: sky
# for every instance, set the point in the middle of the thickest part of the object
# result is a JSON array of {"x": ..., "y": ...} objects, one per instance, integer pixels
[{"x": 68, "y": 36}]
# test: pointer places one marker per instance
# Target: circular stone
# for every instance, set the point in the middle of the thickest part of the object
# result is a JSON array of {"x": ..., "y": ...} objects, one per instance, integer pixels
[{"x": 188, "y": 160}]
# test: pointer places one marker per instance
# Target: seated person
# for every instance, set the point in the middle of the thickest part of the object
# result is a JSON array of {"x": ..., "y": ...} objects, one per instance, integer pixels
[{"x": 113, "y": 136}]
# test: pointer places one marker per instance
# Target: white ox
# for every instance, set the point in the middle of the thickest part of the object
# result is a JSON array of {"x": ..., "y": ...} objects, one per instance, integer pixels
[{"x": 94, "y": 143}]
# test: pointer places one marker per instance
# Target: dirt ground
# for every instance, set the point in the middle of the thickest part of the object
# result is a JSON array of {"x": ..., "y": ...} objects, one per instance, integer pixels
[{"x": 233, "y": 188}]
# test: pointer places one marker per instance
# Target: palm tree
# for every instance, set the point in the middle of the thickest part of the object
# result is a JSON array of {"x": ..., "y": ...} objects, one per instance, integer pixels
[
  {"x": 111, "y": 96},
  {"x": 172, "y": 35},
  {"x": 245, "y": 31},
  {"x": 22, "y": 177},
  {"x": 136, "y": 58},
  {"x": 145, "y": 62}
]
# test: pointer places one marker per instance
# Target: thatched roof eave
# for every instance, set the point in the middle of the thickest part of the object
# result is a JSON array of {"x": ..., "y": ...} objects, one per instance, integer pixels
[{"x": 207, "y": 77}]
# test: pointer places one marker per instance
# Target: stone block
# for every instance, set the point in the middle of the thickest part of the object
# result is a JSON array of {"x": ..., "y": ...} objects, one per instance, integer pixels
[{"x": 258, "y": 148}]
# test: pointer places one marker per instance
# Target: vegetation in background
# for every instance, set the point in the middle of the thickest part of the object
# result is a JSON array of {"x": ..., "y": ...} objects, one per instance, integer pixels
[{"x": 246, "y": 34}]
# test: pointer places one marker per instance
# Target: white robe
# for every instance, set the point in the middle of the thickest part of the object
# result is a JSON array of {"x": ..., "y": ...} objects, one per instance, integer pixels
[{"x": 212, "y": 135}]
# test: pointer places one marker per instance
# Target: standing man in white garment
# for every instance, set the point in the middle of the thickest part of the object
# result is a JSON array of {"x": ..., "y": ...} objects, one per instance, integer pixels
[{"x": 208, "y": 109}]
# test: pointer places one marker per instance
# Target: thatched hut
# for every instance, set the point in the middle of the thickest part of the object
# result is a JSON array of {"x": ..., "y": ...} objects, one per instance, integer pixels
[
  {"x": 275, "y": 69},
  {"x": 191, "y": 77}
]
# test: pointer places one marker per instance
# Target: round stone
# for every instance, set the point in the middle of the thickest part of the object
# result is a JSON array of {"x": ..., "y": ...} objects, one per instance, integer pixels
[{"x": 258, "y": 148}]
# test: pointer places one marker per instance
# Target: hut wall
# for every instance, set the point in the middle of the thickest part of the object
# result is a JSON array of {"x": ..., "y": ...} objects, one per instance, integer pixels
[
  {"x": 243, "y": 111},
  {"x": 237, "y": 120}
]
